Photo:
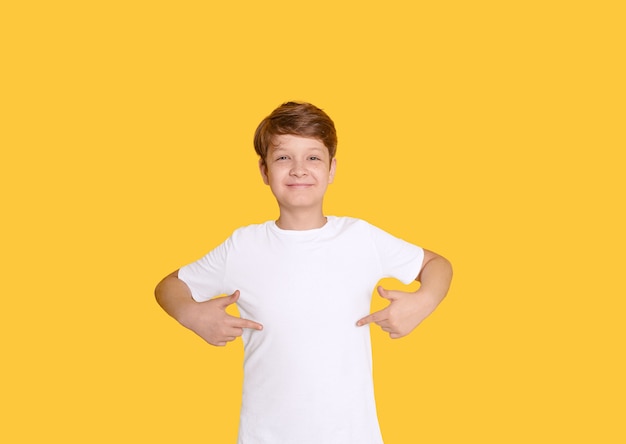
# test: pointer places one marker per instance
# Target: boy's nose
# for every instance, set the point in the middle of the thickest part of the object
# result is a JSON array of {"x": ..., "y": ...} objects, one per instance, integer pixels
[{"x": 297, "y": 170}]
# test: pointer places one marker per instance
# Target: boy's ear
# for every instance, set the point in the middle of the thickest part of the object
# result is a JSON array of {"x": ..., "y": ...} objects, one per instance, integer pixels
[
  {"x": 333, "y": 167},
  {"x": 263, "y": 170}
]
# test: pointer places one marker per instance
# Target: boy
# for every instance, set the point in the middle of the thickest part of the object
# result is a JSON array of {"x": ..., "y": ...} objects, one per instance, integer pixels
[{"x": 303, "y": 287}]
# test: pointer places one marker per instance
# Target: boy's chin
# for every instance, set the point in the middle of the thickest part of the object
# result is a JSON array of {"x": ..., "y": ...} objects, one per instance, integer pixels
[{"x": 299, "y": 205}]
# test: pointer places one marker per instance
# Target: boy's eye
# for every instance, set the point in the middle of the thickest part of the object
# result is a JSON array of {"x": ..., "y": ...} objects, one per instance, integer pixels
[
  {"x": 314, "y": 158},
  {"x": 281, "y": 158}
]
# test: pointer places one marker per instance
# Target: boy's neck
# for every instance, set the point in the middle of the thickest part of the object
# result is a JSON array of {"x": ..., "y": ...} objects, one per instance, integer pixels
[{"x": 300, "y": 221}]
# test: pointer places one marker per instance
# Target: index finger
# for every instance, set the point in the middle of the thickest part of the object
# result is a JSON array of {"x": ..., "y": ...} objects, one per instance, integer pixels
[
  {"x": 373, "y": 317},
  {"x": 246, "y": 323}
]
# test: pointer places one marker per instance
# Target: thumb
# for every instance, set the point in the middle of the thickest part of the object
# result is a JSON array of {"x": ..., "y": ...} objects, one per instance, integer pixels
[
  {"x": 229, "y": 300},
  {"x": 385, "y": 293}
]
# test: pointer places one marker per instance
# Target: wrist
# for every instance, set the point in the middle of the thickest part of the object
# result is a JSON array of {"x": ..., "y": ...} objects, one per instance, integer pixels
[
  {"x": 186, "y": 314},
  {"x": 430, "y": 299}
]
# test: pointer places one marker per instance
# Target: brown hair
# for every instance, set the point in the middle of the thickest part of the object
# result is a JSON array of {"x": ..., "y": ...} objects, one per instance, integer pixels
[{"x": 298, "y": 119}]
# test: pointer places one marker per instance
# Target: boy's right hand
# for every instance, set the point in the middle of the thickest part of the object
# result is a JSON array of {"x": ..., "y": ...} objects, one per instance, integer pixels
[{"x": 210, "y": 321}]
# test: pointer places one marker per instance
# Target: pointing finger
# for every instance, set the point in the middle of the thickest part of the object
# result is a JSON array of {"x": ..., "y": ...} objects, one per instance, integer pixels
[
  {"x": 246, "y": 323},
  {"x": 374, "y": 317}
]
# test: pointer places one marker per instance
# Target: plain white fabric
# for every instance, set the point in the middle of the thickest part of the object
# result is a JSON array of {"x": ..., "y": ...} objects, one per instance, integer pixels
[{"x": 308, "y": 373}]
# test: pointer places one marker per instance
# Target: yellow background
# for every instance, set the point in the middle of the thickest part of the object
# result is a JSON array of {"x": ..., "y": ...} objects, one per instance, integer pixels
[{"x": 491, "y": 132}]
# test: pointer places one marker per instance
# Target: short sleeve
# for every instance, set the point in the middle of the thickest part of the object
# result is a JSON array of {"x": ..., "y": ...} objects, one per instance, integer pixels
[
  {"x": 398, "y": 259},
  {"x": 205, "y": 277}
]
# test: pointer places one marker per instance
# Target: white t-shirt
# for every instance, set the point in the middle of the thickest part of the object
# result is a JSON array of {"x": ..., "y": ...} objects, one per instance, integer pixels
[{"x": 308, "y": 373}]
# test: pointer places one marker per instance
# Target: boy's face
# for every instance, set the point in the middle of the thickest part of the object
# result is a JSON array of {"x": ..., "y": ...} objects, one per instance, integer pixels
[{"x": 298, "y": 170}]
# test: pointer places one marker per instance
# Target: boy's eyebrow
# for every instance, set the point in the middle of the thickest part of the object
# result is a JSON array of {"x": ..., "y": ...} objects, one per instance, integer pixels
[{"x": 276, "y": 148}]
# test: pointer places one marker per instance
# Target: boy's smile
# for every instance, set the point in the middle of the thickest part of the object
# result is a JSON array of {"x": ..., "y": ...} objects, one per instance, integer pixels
[{"x": 298, "y": 171}]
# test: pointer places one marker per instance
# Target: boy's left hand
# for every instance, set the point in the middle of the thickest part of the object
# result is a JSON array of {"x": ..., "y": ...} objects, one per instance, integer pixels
[{"x": 405, "y": 311}]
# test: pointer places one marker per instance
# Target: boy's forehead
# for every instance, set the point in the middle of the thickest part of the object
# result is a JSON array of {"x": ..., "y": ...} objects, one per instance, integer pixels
[{"x": 287, "y": 141}]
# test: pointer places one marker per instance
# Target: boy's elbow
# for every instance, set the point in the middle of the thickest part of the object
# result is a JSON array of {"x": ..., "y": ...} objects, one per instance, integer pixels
[
  {"x": 161, "y": 287},
  {"x": 158, "y": 292},
  {"x": 449, "y": 265}
]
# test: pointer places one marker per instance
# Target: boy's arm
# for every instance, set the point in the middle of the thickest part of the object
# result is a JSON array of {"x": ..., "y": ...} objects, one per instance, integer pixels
[
  {"x": 407, "y": 310},
  {"x": 209, "y": 319}
]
